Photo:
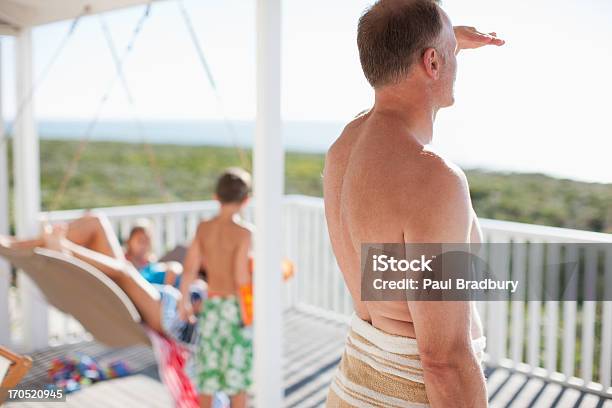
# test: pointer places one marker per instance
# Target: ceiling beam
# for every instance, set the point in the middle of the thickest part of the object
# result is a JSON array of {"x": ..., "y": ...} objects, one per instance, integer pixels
[
  {"x": 7, "y": 29},
  {"x": 26, "y": 13},
  {"x": 14, "y": 14}
]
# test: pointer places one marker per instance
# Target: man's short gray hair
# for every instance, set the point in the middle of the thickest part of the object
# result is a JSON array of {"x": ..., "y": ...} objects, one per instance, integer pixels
[{"x": 392, "y": 34}]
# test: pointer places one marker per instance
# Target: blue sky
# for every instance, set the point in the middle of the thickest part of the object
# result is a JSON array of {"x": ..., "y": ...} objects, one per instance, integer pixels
[{"x": 541, "y": 103}]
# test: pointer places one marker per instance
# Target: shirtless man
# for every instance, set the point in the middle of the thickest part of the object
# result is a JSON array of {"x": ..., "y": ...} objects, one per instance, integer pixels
[{"x": 383, "y": 185}]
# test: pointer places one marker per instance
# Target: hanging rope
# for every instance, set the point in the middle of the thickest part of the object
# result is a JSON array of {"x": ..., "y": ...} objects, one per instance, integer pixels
[
  {"x": 119, "y": 75},
  {"x": 73, "y": 166},
  {"x": 151, "y": 157},
  {"x": 43, "y": 75},
  {"x": 228, "y": 124}
]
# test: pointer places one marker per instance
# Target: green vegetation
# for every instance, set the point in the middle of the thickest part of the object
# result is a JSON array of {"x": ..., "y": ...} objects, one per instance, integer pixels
[{"x": 119, "y": 174}]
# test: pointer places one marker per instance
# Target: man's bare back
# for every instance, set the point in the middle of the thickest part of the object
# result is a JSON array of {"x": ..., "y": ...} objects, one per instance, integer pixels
[{"x": 382, "y": 185}]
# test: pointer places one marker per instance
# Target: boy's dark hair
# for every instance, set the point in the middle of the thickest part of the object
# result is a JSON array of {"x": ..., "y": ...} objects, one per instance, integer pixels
[
  {"x": 233, "y": 186},
  {"x": 392, "y": 34}
]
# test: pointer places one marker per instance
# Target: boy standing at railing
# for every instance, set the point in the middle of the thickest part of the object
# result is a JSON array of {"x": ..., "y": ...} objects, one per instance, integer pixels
[{"x": 222, "y": 246}]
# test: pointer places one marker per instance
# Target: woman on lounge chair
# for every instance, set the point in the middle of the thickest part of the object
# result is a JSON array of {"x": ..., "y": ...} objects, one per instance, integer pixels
[
  {"x": 139, "y": 253},
  {"x": 92, "y": 240}
]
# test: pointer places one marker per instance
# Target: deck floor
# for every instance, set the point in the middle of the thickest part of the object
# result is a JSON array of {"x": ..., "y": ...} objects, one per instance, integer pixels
[{"x": 312, "y": 350}]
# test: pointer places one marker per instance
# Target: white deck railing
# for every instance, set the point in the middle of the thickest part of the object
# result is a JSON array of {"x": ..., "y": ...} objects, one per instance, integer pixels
[{"x": 569, "y": 342}]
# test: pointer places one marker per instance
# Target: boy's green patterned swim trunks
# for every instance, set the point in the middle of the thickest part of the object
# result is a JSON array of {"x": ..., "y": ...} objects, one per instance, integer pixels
[{"x": 224, "y": 354}]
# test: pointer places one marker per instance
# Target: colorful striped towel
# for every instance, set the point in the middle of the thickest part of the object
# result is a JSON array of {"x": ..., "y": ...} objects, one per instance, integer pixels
[{"x": 172, "y": 361}]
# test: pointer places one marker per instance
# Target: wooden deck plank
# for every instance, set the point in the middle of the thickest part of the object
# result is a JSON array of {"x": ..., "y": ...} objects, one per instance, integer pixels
[
  {"x": 133, "y": 391},
  {"x": 314, "y": 394},
  {"x": 508, "y": 391},
  {"x": 589, "y": 400},
  {"x": 528, "y": 393},
  {"x": 569, "y": 398},
  {"x": 313, "y": 347},
  {"x": 548, "y": 396},
  {"x": 496, "y": 381}
]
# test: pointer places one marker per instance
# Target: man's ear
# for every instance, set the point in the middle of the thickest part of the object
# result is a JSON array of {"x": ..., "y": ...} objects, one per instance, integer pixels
[{"x": 431, "y": 63}]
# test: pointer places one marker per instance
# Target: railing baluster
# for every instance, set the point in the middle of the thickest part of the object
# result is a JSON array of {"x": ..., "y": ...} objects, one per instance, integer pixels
[
  {"x": 483, "y": 305},
  {"x": 170, "y": 241},
  {"x": 588, "y": 314},
  {"x": 324, "y": 254},
  {"x": 552, "y": 308},
  {"x": 328, "y": 275},
  {"x": 569, "y": 312},
  {"x": 519, "y": 256},
  {"x": 307, "y": 261},
  {"x": 179, "y": 230},
  {"x": 605, "y": 361},
  {"x": 192, "y": 226},
  {"x": 125, "y": 225},
  {"x": 158, "y": 234},
  {"x": 498, "y": 309},
  {"x": 536, "y": 262},
  {"x": 317, "y": 268},
  {"x": 312, "y": 265},
  {"x": 295, "y": 251},
  {"x": 299, "y": 254},
  {"x": 287, "y": 228}
]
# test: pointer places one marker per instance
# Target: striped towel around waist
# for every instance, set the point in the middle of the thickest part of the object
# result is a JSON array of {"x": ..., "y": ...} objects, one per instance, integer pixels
[{"x": 380, "y": 370}]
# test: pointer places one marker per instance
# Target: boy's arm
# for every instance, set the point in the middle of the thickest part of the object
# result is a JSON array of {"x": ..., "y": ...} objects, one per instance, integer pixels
[
  {"x": 193, "y": 262},
  {"x": 242, "y": 276}
]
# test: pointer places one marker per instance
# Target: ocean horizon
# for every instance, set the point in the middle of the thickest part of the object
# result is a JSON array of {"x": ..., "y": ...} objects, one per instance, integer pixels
[
  {"x": 307, "y": 137},
  {"x": 302, "y": 136}
]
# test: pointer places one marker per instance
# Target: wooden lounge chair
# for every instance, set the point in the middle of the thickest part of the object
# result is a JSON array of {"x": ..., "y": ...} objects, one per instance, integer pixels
[
  {"x": 79, "y": 289},
  {"x": 13, "y": 368}
]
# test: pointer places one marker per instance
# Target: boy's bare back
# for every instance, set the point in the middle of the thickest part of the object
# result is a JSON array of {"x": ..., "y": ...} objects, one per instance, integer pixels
[{"x": 224, "y": 246}]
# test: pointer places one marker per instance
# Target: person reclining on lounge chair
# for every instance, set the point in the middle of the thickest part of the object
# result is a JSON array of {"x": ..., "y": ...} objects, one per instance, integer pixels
[
  {"x": 139, "y": 252},
  {"x": 92, "y": 239}
]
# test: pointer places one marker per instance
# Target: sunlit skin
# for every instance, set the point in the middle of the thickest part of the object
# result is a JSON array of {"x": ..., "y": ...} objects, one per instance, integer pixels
[
  {"x": 470, "y": 38},
  {"x": 373, "y": 172}
]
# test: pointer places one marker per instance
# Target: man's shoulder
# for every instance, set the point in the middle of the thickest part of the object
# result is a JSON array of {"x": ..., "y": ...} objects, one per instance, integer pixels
[
  {"x": 339, "y": 146},
  {"x": 433, "y": 178},
  {"x": 440, "y": 168},
  {"x": 436, "y": 204}
]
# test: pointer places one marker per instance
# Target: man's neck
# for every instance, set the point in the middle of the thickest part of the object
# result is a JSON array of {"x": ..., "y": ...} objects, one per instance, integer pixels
[{"x": 409, "y": 108}]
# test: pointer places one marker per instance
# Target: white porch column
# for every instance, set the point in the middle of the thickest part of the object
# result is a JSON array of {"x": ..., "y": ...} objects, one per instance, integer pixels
[
  {"x": 269, "y": 173},
  {"x": 27, "y": 189},
  {"x": 5, "y": 271}
]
